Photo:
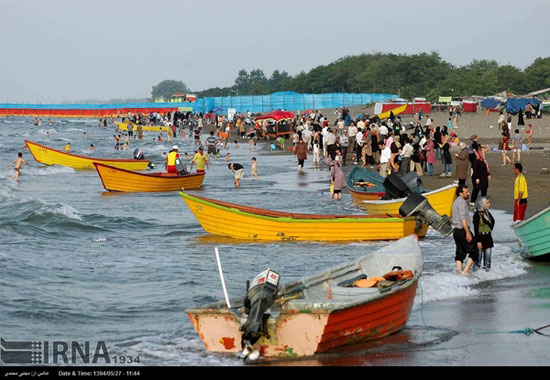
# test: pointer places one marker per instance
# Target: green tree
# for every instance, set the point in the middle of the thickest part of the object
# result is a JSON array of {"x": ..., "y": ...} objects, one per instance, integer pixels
[
  {"x": 538, "y": 74},
  {"x": 258, "y": 82},
  {"x": 279, "y": 81},
  {"x": 511, "y": 79},
  {"x": 242, "y": 82},
  {"x": 418, "y": 75},
  {"x": 167, "y": 88}
]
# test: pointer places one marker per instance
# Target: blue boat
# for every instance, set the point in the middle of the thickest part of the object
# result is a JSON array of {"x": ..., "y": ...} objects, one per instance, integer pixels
[{"x": 534, "y": 234}]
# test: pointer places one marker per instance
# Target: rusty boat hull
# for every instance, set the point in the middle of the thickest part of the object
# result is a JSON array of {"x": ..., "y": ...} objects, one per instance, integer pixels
[{"x": 318, "y": 314}]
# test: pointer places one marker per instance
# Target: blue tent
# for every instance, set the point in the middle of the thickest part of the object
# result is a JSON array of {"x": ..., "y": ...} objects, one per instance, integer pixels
[
  {"x": 489, "y": 103},
  {"x": 514, "y": 105}
]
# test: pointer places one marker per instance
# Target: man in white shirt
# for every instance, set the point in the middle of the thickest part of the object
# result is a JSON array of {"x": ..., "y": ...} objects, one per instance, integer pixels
[
  {"x": 324, "y": 134},
  {"x": 385, "y": 157},
  {"x": 383, "y": 131},
  {"x": 428, "y": 121},
  {"x": 306, "y": 135},
  {"x": 344, "y": 145},
  {"x": 358, "y": 145},
  {"x": 330, "y": 141},
  {"x": 340, "y": 126},
  {"x": 406, "y": 154},
  {"x": 352, "y": 131}
]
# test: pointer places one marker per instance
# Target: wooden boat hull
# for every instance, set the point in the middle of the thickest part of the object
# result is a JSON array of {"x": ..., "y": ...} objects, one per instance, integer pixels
[
  {"x": 116, "y": 179},
  {"x": 441, "y": 200},
  {"x": 50, "y": 156},
  {"x": 306, "y": 325},
  {"x": 325, "y": 330},
  {"x": 248, "y": 223},
  {"x": 360, "y": 194},
  {"x": 144, "y": 128},
  {"x": 534, "y": 234}
]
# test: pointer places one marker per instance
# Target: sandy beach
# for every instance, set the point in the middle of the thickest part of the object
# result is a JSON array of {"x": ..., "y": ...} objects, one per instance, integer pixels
[{"x": 501, "y": 184}]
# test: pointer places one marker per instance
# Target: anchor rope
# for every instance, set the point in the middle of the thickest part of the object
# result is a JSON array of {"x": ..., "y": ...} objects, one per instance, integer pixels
[{"x": 528, "y": 331}]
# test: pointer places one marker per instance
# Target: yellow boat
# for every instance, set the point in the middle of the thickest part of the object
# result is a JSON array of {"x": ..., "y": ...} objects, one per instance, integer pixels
[
  {"x": 50, "y": 156},
  {"x": 441, "y": 200},
  {"x": 250, "y": 223},
  {"x": 145, "y": 128},
  {"x": 116, "y": 179}
]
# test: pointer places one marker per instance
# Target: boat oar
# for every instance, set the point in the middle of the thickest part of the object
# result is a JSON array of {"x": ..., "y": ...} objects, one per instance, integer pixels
[{"x": 221, "y": 277}]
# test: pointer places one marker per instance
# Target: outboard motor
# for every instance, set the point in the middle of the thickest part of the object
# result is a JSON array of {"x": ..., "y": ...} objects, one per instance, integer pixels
[
  {"x": 138, "y": 155},
  {"x": 181, "y": 167},
  {"x": 395, "y": 187},
  {"x": 417, "y": 205},
  {"x": 260, "y": 296},
  {"x": 413, "y": 181}
]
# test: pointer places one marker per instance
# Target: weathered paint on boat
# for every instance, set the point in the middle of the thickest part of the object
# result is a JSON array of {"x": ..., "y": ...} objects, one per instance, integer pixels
[{"x": 316, "y": 314}]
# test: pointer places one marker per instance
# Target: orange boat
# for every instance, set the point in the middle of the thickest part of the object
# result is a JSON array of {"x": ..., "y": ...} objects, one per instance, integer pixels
[
  {"x": 368, "y": 298},
  {"x": 116, "y": 179}
]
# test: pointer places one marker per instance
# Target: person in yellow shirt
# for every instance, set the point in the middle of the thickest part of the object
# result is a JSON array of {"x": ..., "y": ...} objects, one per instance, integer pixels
[
  {"x": 173, "y": 155},
  {"x": 67, "y": 147},
  {"x": 201, "y": 160},
  {"x": 520, "y": 193}
]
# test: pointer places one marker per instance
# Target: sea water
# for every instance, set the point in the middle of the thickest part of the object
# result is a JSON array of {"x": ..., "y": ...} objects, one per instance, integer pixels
[{"x": 81, "y": 264}]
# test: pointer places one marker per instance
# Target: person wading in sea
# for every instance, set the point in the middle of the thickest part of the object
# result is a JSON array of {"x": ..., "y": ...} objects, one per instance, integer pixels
[
  {"x": 300, "y": 152},
  {"x": 464, "y": 240},
  {"x": 19, "y": 161},
  {"x": 238, "y": 173}
]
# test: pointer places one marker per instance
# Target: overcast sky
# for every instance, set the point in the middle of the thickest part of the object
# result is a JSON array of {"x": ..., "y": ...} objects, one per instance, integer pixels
[{"x": 52, "y": 51}]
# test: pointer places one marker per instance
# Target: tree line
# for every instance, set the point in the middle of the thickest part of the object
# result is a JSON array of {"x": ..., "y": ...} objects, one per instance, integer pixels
[{"x": 418, "y": 75}]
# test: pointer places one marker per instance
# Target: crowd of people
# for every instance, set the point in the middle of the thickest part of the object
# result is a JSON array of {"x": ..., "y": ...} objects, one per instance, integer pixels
[{"x": 388, "y": 146}]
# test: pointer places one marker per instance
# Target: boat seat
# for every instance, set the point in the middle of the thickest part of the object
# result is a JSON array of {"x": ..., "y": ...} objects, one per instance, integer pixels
[{"x": 336, "y": 293}]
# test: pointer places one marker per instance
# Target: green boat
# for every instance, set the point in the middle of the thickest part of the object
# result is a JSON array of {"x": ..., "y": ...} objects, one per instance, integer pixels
[
  {"x": 534, "y": 234},
  {"x": 364, "y": 184}
]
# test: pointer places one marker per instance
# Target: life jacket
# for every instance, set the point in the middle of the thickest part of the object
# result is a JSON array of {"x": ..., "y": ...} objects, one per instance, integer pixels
[{"x": 393, "y": 276}]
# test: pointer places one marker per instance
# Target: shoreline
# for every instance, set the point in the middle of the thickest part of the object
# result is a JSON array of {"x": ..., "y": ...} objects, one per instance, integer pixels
[
  {"x": 483, "y": 124},
  {"x": 501, "y": 184}
]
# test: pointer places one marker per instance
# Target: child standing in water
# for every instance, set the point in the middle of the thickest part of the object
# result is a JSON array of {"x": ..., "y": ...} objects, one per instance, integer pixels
[
  {"x": 19, "y": 161},
  {"x": 483, "y": 225},
  {"x": 254, "y": 173},
  {"x": 316, "y": 154}
]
